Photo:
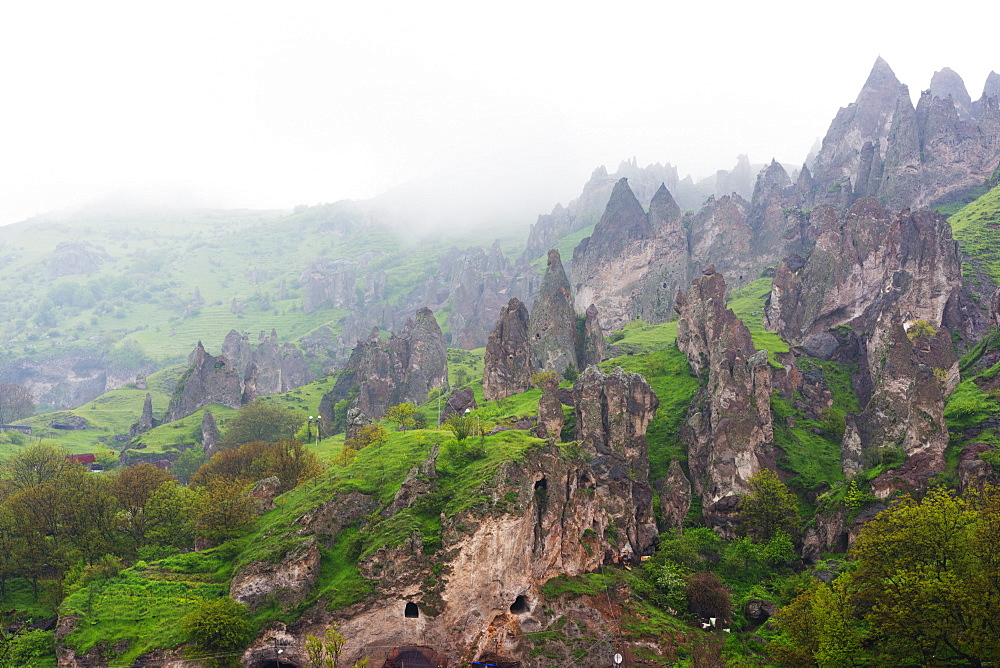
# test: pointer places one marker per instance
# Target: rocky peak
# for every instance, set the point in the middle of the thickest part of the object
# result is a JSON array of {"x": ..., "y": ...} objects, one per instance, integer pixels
[
  {"x": 992, "y": 86},
  {"x": 868, "y": 119},
  {"x": 507, "y": 362},
  {"x": 623, "y": 221},
  {"x": 208, "y": 380},
  {"x": 552, "y": 324},
  {"x": 664, "y": 213},
  {"x": 947, "y": 83},
  {"x": 209, "y": 433},
  {"x": 739, "y": 180}
]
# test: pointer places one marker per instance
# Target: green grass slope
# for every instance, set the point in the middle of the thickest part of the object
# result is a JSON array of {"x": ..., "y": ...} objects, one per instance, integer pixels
[{"x": 976, "y": 227}]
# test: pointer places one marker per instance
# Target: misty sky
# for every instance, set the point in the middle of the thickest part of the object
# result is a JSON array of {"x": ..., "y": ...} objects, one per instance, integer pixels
[{"x": 268, "y": 105}]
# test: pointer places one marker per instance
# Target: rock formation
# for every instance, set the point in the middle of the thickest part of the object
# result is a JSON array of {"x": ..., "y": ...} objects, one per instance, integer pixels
[
  {"x": 239, "y": 375},
  {"x": 594, "y": 349},
  {"x": 728, "y": 432},
  {"x": 209, "y": 434},
  {"x": 146, "y": 420},
  {"x": 886, "y": 290},
  {"x": 550, "y": 411},
  {"x": 870, "y": 261},
  {"x": 208, "y": 380},
  {"x": 507, "y": 362},
  {"x": 884, "y": 147},
  {"x": 403, "y": 368},
  {"x": 552, "y": 323},
  {"x": 329, "y": 283},
  {"x": 633, "y": 263}
]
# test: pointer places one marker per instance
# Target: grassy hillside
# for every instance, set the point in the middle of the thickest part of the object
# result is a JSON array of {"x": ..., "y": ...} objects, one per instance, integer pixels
[{"x": 976, "y": 226}]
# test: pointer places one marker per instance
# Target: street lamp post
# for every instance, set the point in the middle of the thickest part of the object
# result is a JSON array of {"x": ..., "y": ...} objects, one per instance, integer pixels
[{"x": 314, "y": 419}]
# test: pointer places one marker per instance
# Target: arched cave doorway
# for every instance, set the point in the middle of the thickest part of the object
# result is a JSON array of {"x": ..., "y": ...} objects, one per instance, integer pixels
[
  {"x": 411, "y": 611},
  {"x": 541, "y": 485},
  {"x": 520, "y": 606}
]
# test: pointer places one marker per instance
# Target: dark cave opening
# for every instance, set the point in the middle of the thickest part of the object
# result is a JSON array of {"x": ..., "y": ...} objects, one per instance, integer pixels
[
  {"x": 411, "y": 611},
  {"x": 519, "y": 606},
  {"x": 541, "y": 484}
]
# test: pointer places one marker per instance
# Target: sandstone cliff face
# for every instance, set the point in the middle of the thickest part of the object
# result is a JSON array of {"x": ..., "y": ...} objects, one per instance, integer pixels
[
  {"x": 729, "y": 432},
  {"x": 552, "y": 323},
  {"x": 633, "y": 263},
  {"x": 507, "y": 362},
  {"x": 403, "y": 368}
]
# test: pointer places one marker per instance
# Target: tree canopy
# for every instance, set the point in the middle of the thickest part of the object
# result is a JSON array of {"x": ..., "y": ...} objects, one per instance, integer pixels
[{"x": 262, "y": 422}]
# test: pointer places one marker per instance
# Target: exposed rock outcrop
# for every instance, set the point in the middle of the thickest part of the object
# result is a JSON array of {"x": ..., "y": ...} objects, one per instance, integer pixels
[
  {"x": 287, "y": 582},
  {"x": 507, "y": 362},
  {"x": 887, "y": 287},
  {"x": 208, "y": 380},
  {"x": 729, "y": 432},
  {"x": 594, "y": 349},
  {"x": 209, "y": 434},
  {"x": 552, "y": 323},
  {"x": 870, "y": 261},
  {"x": 239, "y": 375},
  {"x": 403, "y": 368},
  {"x": 146, "y": 419},
  {"x": 329, "y": 283},
  {"x": 550, "y": 410},
  {"x": 75, "y": 257}
]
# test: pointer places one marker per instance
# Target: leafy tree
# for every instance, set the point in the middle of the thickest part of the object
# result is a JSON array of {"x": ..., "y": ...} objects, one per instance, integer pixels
[
  {"x": 925, "y": 591},
  {"x": 170, "y": 516},
  {"x": 821, "y": 629},
  {"x": 769, "y": 508},
  {"x": 708, "y": 597},
  {"x": 133, "y": 486},
  {"x": 462, "y": 426},
  {"x": 290, "y": 461},
  {"x": 325, "y": 652},
  {"x": 404, "y": 415},
  {"x": 43, "y": 462},
  {"x": 370, "y": 434},
  {"x": 571, "y": 373},
  {"x": 928, "y": 570},
  {"x": 15, "y": 403},
  {"x": 218, "y": 627},
  {"x": 188, "y": 463},
  {"x": 224, "y": 510},
  {"x": 261, "y": 422},
  {"x": 539, "y": 378}
]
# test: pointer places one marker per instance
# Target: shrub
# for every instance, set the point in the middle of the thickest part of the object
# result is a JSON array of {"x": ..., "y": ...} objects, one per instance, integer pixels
[{"x": 218, "y": 627}]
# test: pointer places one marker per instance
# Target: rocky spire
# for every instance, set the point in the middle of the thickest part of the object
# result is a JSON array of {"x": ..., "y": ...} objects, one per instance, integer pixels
[
  {"x": 992, "y": 87},
  {"x": 900, "y": 183},
  {"x": 623, "y": 221},
  {"x": 947, "y": 83},
  {"x": 868, "y": 119},
  {"x": 729, "y": 431},
  {"x": 209, "y": 434},
  {"x": 664, "y": 213},
  {"x": 507, "y": 362},
  {"x": 552, "y": 324},
  {"x": 593, "y": 338}
]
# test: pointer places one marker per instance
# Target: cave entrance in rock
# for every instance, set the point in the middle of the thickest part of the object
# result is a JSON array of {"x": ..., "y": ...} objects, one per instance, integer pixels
[
  {"x": 411, "y": 611},
  {"x": 542, "y": 484},
  {"x": 519, "y": 606}
]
